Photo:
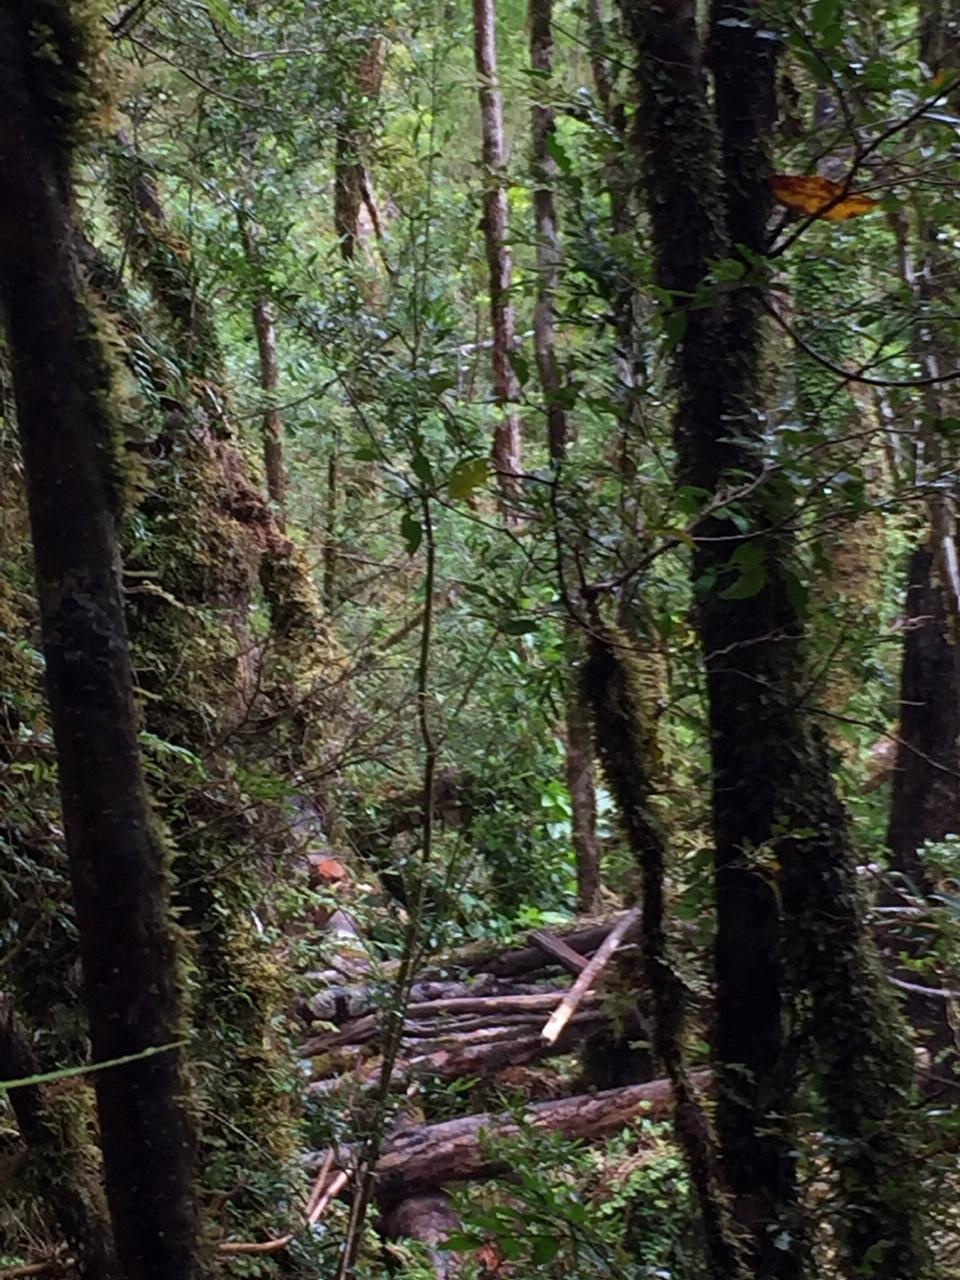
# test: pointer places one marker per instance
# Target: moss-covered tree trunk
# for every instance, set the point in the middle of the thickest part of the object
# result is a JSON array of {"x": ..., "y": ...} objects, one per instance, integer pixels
[
  {"x": 210, "y": 535},
  {"x": 70, "y": 454},
  {"x": 626, "y": 740},
  {"x": 55, "y": 1161},
  {"x": 925, "y": 804},
  {"x": 790, "y": 933}
]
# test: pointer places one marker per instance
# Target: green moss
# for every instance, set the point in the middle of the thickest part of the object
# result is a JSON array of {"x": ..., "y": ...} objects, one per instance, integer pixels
[
  {"x": 163, "y": 259},
  {"x": 68, "y": 48},
  {"x": 618, "y": 690}
]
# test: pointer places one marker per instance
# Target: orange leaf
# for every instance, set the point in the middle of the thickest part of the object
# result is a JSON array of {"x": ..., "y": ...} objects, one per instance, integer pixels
[
  {"x": 813, "y": 194},
  {"x": 327, "y": 869}
]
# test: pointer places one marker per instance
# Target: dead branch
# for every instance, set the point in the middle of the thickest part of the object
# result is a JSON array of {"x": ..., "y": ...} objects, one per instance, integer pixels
[{"x": 591, "y": 971}]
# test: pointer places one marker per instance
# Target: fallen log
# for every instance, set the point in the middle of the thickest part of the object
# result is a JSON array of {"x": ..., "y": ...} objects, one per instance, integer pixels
[
  {"x": 457, "y": 1057},
  {"x": 339, "y": 1002},
  {"x": 429, "y": 1219},
  {"x": 485, "y": 957},
  {"x": 494, "y": 1008},
  {"x": 421, "y": 1159}
]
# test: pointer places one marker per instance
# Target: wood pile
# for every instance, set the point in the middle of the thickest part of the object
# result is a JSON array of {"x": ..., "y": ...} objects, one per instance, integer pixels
[
  {"x": 467, "y": 1016},
  {"x": 472, "y": 1015}
]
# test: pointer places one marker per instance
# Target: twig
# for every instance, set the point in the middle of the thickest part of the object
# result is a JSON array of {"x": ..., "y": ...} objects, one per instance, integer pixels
[
  {"x": 334, "y": 1189},
  {"x": 34, "y": 1268},
  {"x": 316, "y": 1192},
  {"x": 942, "y": 993},
  {"x": 592, "y": 970},
  {"x": 255, "y": 1246}
]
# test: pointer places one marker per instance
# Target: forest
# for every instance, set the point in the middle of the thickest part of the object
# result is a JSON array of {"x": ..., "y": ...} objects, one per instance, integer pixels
[{"x": 480, "y": 639}]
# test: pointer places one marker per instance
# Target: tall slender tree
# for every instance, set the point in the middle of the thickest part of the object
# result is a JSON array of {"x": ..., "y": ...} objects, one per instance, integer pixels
[
  {"x": 790, "y": 933},
  {"x": 73, "y": 469},
  {"x": 262, "y": 313},
  {"x": 506, "y": 441},
  {"x": 578, "y": 764}
]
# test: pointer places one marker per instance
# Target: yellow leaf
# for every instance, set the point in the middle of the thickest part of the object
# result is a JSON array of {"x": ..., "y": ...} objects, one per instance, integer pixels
[{"x": 814, "y": 195}]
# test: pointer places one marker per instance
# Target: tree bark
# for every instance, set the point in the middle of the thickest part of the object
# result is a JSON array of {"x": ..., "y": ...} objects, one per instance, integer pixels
[
  {"x": 429, "y": 1218},
  {"x": 545, "y": 220},
  {"x": 774, "y": 802},
  {"x": 118, "y": 862},
  {"x": 272, "y": 427},
  {"x": 265, "y": 331},
  {"x": 350, "y": 186},
  {"x": 626, "y": 734},
  {"x": 479, "y": 1054},
  {"x": 506, "y": 440},
  {"x": 56, "y": 1168},
  {"x": 925, "y": 799},
  {"x": 486, "y": 958},
  {"x": 578, "y": 768},
  {"x": 925, "y": 804}
]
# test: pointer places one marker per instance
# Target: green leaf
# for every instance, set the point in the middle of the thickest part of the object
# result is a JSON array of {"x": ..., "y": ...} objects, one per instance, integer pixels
[
  {"x": 421, "y": 468},
  {"x": 519, "y": 627},
  {"x": 219, "y": 11},
  {"x": 826, "y": 20},
  {"x": 462, "y": 1241},
  {"x": 728, "y": 270},
  {"x": 748, "y": 561},
  {"x": 674, "y": 325},
  {"x": 441, "y": 382},
  {"x": 521, "y": 367},
  {"x": 467, "y": 476},
  {"x": 545, "y": 1248},
  {"x": 797, "y": 592},
  {"x": 412, "y": 532},
  {"x": 557, "y": 153}
]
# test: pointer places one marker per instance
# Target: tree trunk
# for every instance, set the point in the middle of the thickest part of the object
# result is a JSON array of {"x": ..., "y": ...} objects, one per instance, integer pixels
[
  {"x": 925, "y": 800},
  {"x": 583, "y": 797},
  {"x": 579, "y": 737},
  {"x": 265, "y": 330},
  {"x": 118, "y": 860},
  {"x": 925, "y": 804},
  {"x": 926, "y": 790},
  {"x": 506, "y": 441},
  {"x": 350, "y": 182},
  {"x": 347, "y": 195},
  {"x": 545, "y": 219},
  {"x": 429, "y": 1218},
  {"x": 57, "y": 1169},
  {"x": 774, "y": 803},
  {"x": 625, "y": 737},
  {"x": 272, "y": 428},
  {"x": 486, "y": 958}
]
